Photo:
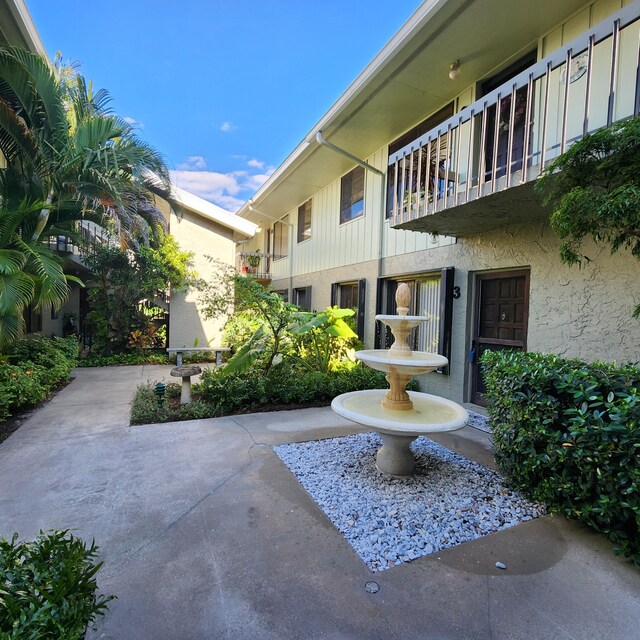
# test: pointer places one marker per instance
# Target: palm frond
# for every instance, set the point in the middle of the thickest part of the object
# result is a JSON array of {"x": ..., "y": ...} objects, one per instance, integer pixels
[
  {"x": 11, "y": 261},
  {"x": 47, "y": 273},
  {"x": 16, "y": 291},
  {"x": 11, "y": 327}
]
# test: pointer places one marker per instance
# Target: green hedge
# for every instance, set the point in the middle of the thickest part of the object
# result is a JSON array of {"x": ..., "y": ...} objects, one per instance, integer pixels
[
  {"x": 568, "y": 433},
  {"x": 31, "y": 369},
  {"x": 146, "y": 356},
  {"x": 48, "y": 587},
  {"x": 284, "y": 386}
]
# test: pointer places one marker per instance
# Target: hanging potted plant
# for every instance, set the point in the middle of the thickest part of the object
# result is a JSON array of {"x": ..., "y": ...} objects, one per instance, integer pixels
[{"x": 251, "y": 262}]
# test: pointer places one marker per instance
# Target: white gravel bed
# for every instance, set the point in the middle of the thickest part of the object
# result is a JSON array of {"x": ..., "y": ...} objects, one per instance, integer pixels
[
  {"x": 478, "y": 421},
  {"x": 389, "y": 521}
]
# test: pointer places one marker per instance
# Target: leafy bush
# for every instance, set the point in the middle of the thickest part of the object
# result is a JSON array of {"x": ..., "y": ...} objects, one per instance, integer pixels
[
  {"x": 48, "y": 587},
  {"x": 125, "y": 359},
  {"x": 220, "y": 395},
  {"x": 147, "y": 356},
  {"x": 32, "y": 368},
  {"x": 568, "y": 433}
]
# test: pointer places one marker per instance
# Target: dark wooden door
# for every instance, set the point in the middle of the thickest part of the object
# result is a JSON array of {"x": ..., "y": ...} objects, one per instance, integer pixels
[{"x": 501, "y": 316}]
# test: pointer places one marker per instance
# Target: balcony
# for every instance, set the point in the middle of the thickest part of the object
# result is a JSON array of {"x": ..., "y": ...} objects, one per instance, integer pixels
[
  {"x": 255, "y": 265},
  {"x": 87, "y": 234},
  {"x": 475, "y": 171}
]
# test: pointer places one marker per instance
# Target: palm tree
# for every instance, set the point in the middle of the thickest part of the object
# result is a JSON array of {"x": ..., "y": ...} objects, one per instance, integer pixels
[{"x": 68, "y": 158}]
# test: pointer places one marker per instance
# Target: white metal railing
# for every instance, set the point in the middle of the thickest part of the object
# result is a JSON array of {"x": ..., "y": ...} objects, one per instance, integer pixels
[
  {"x": 255, "y": 264},
  {"x": 90, "y": 234},
  {"x": 507, "y": 137}
]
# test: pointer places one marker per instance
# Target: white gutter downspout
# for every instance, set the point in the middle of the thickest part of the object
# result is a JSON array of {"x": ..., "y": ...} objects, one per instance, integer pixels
[
  {"x": 290, "y": 225},
  {"x": 365, "y": 165}
]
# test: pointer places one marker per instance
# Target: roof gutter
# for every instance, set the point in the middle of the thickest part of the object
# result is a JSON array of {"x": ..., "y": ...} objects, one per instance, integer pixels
[{"x": 346, "y": 154}]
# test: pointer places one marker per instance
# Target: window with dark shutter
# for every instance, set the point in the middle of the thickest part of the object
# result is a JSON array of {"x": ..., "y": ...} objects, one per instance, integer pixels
[
  {"x": 302, "y": 298},
  {"x": 304, "y": 221},
  {"x": 352, "y": 195},
  {"x": 281, "y": 239}
]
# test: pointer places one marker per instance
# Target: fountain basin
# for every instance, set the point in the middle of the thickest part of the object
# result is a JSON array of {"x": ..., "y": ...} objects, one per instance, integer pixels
[
  {"x": 429, "y": 414},
  {"x": 399, "y": 429},
  {"x": 413, "y": 363}
]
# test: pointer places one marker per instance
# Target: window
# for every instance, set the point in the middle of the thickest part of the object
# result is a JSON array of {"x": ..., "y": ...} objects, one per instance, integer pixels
[
  {"x": 426, "y": 125},
  {"x": 304, "y": 221},
  {"x": 432, "y": 296},
  {"x": 352, "y": 195},
  {"x": 302, "y": 298},
  {"x": 351, "y": 295},
  {"x": 281, "y": 239},
  {"x": 32, "y": 319}
]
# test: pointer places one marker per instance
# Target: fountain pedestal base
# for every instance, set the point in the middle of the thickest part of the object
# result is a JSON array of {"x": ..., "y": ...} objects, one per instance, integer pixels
[{"x": 395, "y": 456}]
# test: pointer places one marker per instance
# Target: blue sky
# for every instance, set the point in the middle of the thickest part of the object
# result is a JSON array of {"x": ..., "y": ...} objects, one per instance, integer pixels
[{"x": 224, "y": 88}]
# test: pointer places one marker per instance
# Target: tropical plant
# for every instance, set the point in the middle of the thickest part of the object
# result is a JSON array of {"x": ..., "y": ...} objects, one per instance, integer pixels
[
  {"x": 125, "y": 279},
  {"x": 68, "y": 158},
  {"x": 48, "y": 587},
  {"x": 324, "y": 339},
  {"x": 594, "y": 190}
]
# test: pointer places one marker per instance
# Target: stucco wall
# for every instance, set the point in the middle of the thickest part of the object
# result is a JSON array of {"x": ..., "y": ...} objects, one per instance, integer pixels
[
  {"x": 583, "y": 313},
  {"x": 204, "y": 238}
]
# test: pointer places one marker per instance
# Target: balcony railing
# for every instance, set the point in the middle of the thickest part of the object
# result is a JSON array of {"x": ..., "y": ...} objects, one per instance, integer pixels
[
  {"x": 90, "y": 233},
  {"x": 506, "y": 138},
  {"x": 255, "y": 264}
]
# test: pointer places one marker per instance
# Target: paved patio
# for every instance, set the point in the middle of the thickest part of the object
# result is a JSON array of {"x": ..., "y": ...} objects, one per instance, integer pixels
[{"x": 206, "y": 534}]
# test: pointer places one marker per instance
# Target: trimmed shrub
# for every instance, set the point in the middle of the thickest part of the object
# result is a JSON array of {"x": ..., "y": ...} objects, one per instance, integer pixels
[
  {"x": 284, "y": 386},
  {"x": 146, "y": 356},
  {"x": 568, "y": 433},
  {"x": 48, "y": 587},
  {"x": 32, "y": 369}
]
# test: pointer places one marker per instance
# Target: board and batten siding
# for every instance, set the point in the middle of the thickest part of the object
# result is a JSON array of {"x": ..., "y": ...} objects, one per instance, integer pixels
[{"x": 338, "y": 245}]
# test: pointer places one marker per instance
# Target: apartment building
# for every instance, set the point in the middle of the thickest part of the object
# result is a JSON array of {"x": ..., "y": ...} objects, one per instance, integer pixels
[{"x": 423, "y": 172}]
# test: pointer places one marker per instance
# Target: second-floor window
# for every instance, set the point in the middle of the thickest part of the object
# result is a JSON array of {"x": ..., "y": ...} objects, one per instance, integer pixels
[
  {"x": 304, "y": 221},
  {"x": 281, "y": 239},
  {"x": 352, "y": 195}
]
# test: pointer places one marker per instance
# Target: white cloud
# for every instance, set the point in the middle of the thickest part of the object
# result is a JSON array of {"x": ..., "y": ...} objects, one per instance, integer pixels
[
  {"x": 193, "y": 163},
  {"x": 133, "y": 122},
  {"x": 228, "y": 190},
  {"x": 227, "y": 126},
  {"x": 256, "y": 164},
  {"x": 220, "y": 188}
]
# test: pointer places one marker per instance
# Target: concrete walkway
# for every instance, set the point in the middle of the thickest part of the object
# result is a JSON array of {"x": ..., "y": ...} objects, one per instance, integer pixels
[{"x": 205, "y": 534}]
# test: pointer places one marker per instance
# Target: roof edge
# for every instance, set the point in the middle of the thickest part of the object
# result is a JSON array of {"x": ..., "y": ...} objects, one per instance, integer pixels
[
  {"x": 213, "y": 212},
  {"x": 422, "y": 15}
]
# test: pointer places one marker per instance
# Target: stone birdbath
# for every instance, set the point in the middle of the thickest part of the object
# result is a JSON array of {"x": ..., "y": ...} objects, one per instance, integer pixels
[
  {"x": 400, "y": 416},
  {"x": 185, "y": 372}
]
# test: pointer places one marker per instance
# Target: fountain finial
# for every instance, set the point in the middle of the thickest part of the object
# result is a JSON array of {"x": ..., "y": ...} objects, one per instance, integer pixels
[{"x": 403, "y": 296}]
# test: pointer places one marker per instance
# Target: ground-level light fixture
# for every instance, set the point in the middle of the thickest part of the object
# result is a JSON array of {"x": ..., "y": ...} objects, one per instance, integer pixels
[{"x": 159, "y": 391}]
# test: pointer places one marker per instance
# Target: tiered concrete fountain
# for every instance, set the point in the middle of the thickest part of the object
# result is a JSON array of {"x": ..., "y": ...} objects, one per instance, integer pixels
[{"x": 400, "y": 416}]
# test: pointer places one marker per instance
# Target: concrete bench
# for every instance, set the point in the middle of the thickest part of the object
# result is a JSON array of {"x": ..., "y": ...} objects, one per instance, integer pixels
[{"x": 179, "y": 351}]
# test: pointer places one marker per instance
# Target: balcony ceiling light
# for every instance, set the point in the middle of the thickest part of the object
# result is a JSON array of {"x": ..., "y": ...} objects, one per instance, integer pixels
[{"x": 454, "y": 69}]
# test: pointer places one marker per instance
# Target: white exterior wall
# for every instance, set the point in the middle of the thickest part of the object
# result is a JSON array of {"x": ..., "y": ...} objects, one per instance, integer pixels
[{"x": 204, "y": 238}]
